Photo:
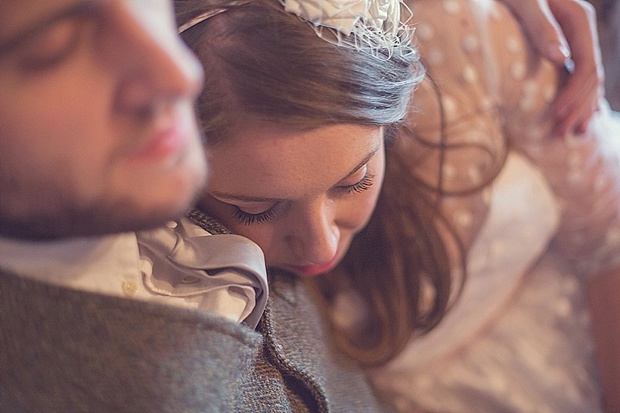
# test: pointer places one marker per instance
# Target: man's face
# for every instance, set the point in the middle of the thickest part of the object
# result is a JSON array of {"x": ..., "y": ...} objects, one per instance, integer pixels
[{"x": 97, "y": 132}]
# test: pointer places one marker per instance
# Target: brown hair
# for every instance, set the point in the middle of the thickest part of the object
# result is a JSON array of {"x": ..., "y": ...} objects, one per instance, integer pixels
[
  {"x": 400, "y": 265},
  {"x": 264, "y": 64}
]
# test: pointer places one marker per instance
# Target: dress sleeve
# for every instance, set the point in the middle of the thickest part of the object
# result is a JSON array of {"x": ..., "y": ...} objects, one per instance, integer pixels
[
  {"x": 455, "y": 145},
  {"x": 582, "y": 171},
  {"x": 488, "y": 94}
]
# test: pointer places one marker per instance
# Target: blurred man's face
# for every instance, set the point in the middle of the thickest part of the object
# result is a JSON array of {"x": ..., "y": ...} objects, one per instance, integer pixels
[{"x": 97, "y": 132}]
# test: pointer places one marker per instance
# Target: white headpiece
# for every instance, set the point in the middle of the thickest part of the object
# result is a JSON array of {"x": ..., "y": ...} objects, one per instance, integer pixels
[{"x": 376, "y": 24}]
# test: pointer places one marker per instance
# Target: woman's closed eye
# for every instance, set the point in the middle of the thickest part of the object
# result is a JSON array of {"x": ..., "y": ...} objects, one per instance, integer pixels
[
  {"x": 362, "y": 185},
  {"x": 360, "y": 181},
  {"x": 255, "y": 215},
  {"x": 247, "y": 218}
]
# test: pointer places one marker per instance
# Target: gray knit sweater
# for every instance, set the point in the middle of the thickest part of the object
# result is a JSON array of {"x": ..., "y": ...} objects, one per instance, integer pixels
[{"x": 63, "y": 350}]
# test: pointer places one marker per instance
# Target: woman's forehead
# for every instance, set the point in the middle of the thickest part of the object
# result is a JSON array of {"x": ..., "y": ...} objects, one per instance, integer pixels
[{"x": 292, "y": 164}]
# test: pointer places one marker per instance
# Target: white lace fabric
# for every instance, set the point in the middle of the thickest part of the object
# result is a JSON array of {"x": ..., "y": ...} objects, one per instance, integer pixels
[
  {"x": 366, "y": 25},
  {"x": 377, "y": 25}
]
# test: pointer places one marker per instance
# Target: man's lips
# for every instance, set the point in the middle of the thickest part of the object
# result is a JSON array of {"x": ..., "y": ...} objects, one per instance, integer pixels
[{"x": 165, "y": 141}]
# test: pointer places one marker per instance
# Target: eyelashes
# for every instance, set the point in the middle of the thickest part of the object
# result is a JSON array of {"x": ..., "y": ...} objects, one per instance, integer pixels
[
  {"x": 246, "y": 218},
  {"x": 249, "y": 219},
  {"x": 364, "y": 184}
]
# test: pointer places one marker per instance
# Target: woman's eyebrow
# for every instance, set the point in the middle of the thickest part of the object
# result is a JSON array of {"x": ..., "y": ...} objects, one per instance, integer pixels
[
  {"x": 224, "y": 196},
  {"x": 242, "y": 198},
  {"x": 362, "y": 162},
  {"x": 14, "y": 40}
]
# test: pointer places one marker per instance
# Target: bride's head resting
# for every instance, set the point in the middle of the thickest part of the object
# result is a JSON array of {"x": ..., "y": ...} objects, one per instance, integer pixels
[
  {"x": 297, "y": 109},
  {"x": 300, "y": 97}
]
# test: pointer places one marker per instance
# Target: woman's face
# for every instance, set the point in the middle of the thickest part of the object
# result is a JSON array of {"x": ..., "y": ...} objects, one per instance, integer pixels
[
  {"x": 97, "y": 132},
  {"x": 301, "y": 196}
]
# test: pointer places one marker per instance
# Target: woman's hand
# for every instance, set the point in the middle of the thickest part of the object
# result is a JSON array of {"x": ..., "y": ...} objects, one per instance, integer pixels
[{"x": 564, "y": 31}]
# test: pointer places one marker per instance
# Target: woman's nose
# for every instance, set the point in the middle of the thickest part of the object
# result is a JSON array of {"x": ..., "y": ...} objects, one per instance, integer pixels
[
  {"x": 156, "y": 66},
  {"x": 314, "y": 235}
]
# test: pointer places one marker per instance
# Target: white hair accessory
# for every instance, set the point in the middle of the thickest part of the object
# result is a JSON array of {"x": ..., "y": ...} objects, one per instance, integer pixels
[
  {"x": 343, "y": 15},
  {"x": 376, "y": 24}
]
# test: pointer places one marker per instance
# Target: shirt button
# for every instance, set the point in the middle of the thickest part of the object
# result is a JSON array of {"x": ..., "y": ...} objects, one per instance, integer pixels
[{"x": 130, "y": 288}]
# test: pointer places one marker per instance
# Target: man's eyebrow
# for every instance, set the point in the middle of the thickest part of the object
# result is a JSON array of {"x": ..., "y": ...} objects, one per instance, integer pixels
[
  {"x": 224, "y": 196},
  {"x": 14, "y": 41}
]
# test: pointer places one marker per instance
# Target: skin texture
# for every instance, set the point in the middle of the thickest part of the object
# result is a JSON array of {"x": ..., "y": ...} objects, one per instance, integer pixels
[
  {"x": 559, "y": 29},
  {"x": 315, "y": 192},
  {"x": 96, "y": 122}
]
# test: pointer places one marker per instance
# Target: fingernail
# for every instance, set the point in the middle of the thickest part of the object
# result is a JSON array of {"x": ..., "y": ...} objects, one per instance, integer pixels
[{"x": 558, "y": 53}]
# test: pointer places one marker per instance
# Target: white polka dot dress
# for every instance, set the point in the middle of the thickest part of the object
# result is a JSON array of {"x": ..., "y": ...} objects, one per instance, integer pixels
[{"x": 539, "y": 215}]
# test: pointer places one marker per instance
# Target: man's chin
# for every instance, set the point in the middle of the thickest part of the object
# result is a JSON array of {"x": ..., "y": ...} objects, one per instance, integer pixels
[{"x": 85, "y": 225}]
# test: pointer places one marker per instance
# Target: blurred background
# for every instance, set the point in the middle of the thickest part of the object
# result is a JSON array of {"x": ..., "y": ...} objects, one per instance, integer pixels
[{"x": 608, "y": 13}]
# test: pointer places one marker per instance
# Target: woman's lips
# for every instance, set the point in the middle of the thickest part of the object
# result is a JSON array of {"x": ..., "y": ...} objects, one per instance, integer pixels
[{"x": 316, "y": 269}]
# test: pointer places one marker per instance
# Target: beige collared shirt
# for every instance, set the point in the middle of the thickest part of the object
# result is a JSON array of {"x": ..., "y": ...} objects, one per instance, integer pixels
[{"x": 114, "y": 265}]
